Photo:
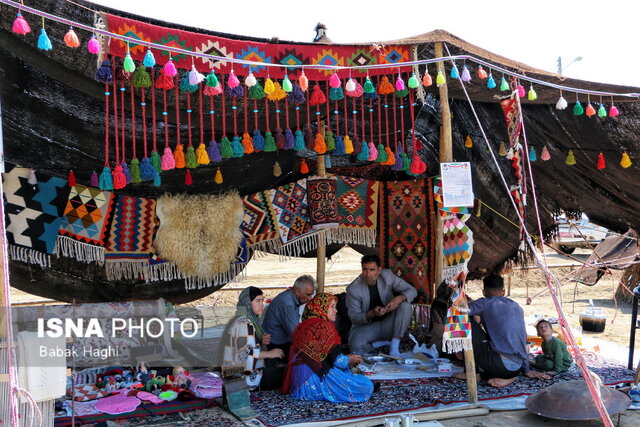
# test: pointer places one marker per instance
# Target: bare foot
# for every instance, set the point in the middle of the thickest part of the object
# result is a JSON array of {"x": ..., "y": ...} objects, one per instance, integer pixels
[{"x": 500, "y": 382}]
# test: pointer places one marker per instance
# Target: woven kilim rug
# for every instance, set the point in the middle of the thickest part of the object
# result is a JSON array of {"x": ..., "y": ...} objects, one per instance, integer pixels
[
  {"x": 407, "y": 244},
  {"x": 406, "y": 395},
  {"x": 84, "y": 224},
  {"x": 259, "y": 223},
  {"x": 357, "y": 211},
  {"x": 130, "y": 241},
  {"x": 33, "y": 214},
  {"x": 323, "y": 208}
]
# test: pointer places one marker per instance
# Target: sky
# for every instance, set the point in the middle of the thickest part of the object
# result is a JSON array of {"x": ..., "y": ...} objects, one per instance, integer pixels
[{"x": 603, "y": 33}]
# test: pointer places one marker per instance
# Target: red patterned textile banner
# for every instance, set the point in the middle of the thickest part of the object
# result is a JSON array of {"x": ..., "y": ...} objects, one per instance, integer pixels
[{"x": 289, "y": 55}]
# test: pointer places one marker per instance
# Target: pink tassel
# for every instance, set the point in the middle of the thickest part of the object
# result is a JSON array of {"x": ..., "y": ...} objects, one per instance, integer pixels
[
  {"x": 334, "y": 81},
  {"x": 545, "y": 154},
  {"x": 521, "y": 91},
  {"x": 168, "y": 161},
  {"x": 399, "y": 83},
  {"x": 20, "y": 25},
  {"x": 233, "y": 80},
  {"x": 303, "y": 81},
  {"x": 93, "y": 46},
  {"x": 170, "y": 69},
  {"x": 373, "y": 152},
  {"x": 613, "y": 111}
]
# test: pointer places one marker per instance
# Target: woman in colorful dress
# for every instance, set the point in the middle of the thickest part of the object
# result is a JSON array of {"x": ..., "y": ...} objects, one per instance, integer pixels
[
  {"x": 243, "y": 337},
  {"x": 318, "y": 369}
]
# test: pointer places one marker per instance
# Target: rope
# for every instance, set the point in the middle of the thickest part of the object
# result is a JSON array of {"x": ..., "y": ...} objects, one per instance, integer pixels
[
  {"x": 177, "y": 96},
  {"x": 133, "y": 125},
  {"x": 189, "y": 119},
  {"x": 106, "y": 124},
  {"x": 116, "y": 129},
  {"x": 143, "y": 104},
  {"x": 201, "y": 114},
  {"x": 153, "y": 110}
]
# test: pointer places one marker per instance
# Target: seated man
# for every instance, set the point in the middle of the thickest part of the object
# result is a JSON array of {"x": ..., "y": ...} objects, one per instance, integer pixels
[
  {"x": 283, "y": 314},
  {"x": 500, "y": 350},
  {"x": 376, "y": 314}
]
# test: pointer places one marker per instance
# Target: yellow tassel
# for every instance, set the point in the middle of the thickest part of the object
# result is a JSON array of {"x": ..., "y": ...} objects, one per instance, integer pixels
[
  {"x": 503, "y": 150},
  {"x": 218, "y": 178},
  {"x": 277, "y": 170},
  {"x": 625, "y": 162},
  {"x": 348, "y": 145},
  {"x": 277, "y": 94},
  {"x": 320, "y": 146},
  {"x": 468, "y": 142},
  {"x": 571, "y": 160},
  {"x": 179, "y": 156},
  {"x": 269, "y": 86},
  {"x": 479, "y": 210},
  {"x": 201, "y": 155},
  {"x": 247, "y": 143}
]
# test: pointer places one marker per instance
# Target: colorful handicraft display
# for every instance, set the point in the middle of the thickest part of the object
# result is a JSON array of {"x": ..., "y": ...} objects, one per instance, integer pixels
[{"x": 406, "y": 225}]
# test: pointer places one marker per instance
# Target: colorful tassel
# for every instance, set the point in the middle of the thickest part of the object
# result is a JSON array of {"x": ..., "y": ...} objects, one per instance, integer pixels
[
  {"x": 296, "y": 96},
  {"x": 577, "y": 109},
  {"x": 348, "y": 145},
  {"x": 218, "y": 177},
  {"x": 126, "y": 172},
  {"x": 170, "y": 69},
  {"x": 385, "y": 87},
  {"x": 330, "y": 140},
  {"x": 258, "y": 141},
  {"x": 237, "y": 147},
  {"x": 482, "y": 74},
  {"x": 106, "y": 180},
  {"x": 71, "y": 179},
  {"x": 104, "y": 73},
  {"x": 247, "y": 143},
  {"x": 363, "y": 156},
  {"x": 299, "y": 145},
  {"x": 319, "y": 144},
  {"x": 279, "y": 137},
  {"x": 289, "y": 139},
  {"x": 406, "y": 162},
  {"x": 381, "y": 154},
  {"x": 417, "y": 166},
  {"x": 256, "y": 91},
  {"x": 213, "y": 90},
  {"x": 232, "y": 81},
  {"x": 149, "y": 60},
  {"x": 521, "y": 92},
  {"x": 440, "y": 80},
  {"x": 601, "y": 162},
  {"x": 304, "y": 167},
  {"x": 269, "y": 142},
  {"x": 468, "y": 142},
  {"x": 278, "y": 93},
  {"x": 339, "y": 150},
  {"x": 250, "y": 80},
  {"x": 613, "y": 111},
  {"x": 71, "y": 38},
  {"x": 491, "y": 83},
  {"x": 318, "y": 96},
  {"x": 179, "y": 156},
  {"x": 570, "y": 160},
  {"x": 466, "y": 75},
  {"x": 334, "y": 80},
  {"x": 214, "y": 152},
  {"x": 413, "y": 82},
  {"x": 31, "y": 179},
  {"x": 195, "y": 77},
  {"x": 532, "y": 95},
  {"x": 602, "y": 112},
  {"x": 20, "y": 25},
  {"x": 590, "y": 111},
  {"x": 164, "y": 82},
  {"x": 190, "y": 158},
  {"x": 202, "y": 157},
  {"x": 625, "y": 162},
  {"x": 533, "y": 156},
  {"x": 188, "y": 180},
  {"x": 155, "y": 161},
  {"x": 277, "y": 169},
  {"x": 141, "y": 77},
  {"x": 400, "y": 83},
  {"x": 226, "y": 149},
  {"x": 93, "y": 179},
  {"x": 562, "y": 103},
  {"x": 234, "y": 92},
  {"x": 286, "y": 84},
  {"x": 303, "y": 81},
  {"x": 504, "y": 86},
  {"x": 397, "y": 165},
  {"x": 147, "y": 170},
  {"x": 427, "y": 80},
  {"x": 454, "y": 72},
  {"x": 211, "y": 80},
  {"x": 503, "y": 150},
  {"x": 368, "y": 86},
  {"x": 269, "y": 86},
  {"x": 168, "y": 161},
  {"x": 357, "y": 92},
  {"x": 119, "y": 179},
  {"x": 373, "y": 152},
  {"x": 44, "y": 43},
  {"x": 93, "y": 46},
  {"x": 336, "y": 94},
  {"x": 128, "y": 64},
  {"x": 545, "y": 154},
  {"x": 350, "y": 86},
  {"x": 391, "y": 158}
]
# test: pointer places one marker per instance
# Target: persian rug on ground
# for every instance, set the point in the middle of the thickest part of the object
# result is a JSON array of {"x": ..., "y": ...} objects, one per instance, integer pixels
[
  {"x": 33, "y": 214},
  {"x": 130, "y": 241},
  {"x": 357, "y": 201},
  {"x": 407, "y": 244}
]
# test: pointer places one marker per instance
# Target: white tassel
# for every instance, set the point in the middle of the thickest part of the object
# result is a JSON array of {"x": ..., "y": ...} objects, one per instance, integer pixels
[
  {"x": 561, "y": 104},
  {"x": 250, "y": 81},
  {"x": 195, "y": 77}
]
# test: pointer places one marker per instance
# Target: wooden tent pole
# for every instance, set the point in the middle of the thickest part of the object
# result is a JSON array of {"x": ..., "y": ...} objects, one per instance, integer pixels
[
  {"x": 321, "y": 252},
  {"x": 446, "y": 155}
]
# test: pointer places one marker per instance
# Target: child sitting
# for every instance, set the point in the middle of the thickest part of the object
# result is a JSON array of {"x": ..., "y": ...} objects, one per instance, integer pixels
[{"x": 555, "y": 357}]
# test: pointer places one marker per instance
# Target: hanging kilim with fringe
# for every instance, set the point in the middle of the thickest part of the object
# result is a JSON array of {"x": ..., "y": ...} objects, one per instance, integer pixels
[
  {"x": 33, "y": 213},
  {"x": 357, "y": 201},
  {"x": 130, "y": 242},
  {"x": 323, "y": 208},
  {"x": 84, "y": 225},
  {"x": 407, "y": 243},
  {"x": 259, "y": 223}
]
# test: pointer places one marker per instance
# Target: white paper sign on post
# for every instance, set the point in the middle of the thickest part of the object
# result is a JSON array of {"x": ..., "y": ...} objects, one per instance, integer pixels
[{"x": 457, "y": 187}]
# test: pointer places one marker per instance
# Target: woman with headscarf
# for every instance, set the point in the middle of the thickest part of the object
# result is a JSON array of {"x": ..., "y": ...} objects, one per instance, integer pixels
[
  {"x": 318, "y": 369},
  {"x": 243, "y": 337}
]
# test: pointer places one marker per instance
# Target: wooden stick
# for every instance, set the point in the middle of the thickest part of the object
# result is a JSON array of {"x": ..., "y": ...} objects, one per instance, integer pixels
[{"x": 321, "y": 251}]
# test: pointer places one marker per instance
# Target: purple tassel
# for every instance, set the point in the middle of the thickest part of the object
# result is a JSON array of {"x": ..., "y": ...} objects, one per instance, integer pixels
[
  {"x": 234, "y": 92},
  {"x": 296, "y": 96},
  {"x": 397, "y": 166},
  {"x": 289, "y": 140},
  {"x": 214, "y": 152},
  {"x": 126, "y": 172},
  {"x": 104, "y": 73},
  {"x": 93, "y": 180}
]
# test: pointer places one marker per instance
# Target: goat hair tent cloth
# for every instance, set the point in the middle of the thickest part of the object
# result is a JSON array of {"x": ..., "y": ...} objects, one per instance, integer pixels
[{"x": 33, "y": 213}]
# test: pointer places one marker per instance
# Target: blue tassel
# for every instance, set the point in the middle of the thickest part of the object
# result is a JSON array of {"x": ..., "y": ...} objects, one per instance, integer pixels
[
  {"x": 491, "y": 83},
  {"x": 397, "y": 166},
  {"x": 532, "y": 154},
  {"x": 157, "y": 181},
  {"x": 299, "y": 141},
  {"x": 296, "y": 96},
  {"x": 238, "y": 149},
  {"x": 258, "y": 140},
  {"x": 185, "y": 86},
  {"x": 289, "y": 139},
  {"x": 339, "y": 151},
  {"x": 336, "y": 94},
  {"x": 454, "y": 72},
  {"x": 103, "y": 73},
  {"x": 43, "y": 41},
  {"x": 327, "y": 163},
  {"x": 363, "y": 156},
  {"x": 106, "y": 180},
  {"x": 147, "y": 171},
  {"x": 235, "y": 92},
  {"x": 149, "y": 60},
  {"x": 214, "y": 152},
  {"x": 126, "y": 172},
  {"x": 372, "y": 95}
]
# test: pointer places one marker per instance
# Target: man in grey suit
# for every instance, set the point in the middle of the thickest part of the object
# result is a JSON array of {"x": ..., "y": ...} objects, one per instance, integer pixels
[{"x": 379, "y": 305}]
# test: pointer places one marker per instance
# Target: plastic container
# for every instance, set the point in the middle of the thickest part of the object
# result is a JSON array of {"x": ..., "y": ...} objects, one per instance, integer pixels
[{"x": 593, "y": 320}]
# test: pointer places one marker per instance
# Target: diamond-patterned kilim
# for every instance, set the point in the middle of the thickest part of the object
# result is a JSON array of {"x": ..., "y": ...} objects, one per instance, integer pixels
[
  {"x": 290, "y": 206},
  {"x": 457, "y": 243},
  {"x": 132, "y": 229},
  {"x": 357, "y": 202},
  {"x": 259, "y": 223},
  {"x": 406, "y": 229},
  {"x": 86, "y": 215}
]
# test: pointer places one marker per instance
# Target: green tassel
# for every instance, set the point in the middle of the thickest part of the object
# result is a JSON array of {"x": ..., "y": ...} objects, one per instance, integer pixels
[
  {"x": 269, "y": 142},
  {"x": 602, "y": 112},
  {"x": 141, "y": 77},
  {"x": 504, "y": 86},
  {"x": 211, "y": 80},
  {"x": 191, "y": 159},
  {"x": 406, "y": 163},
  {"x": 238, "y": 149},
  {"x": 336, "y": 94},
  {"x": 156, "y": 161},
  {"x": 329, "y": 140},
  {"x": 128, "y": 64},
  {"x": 134, "y": 169},
  {"x": 286, "y": 84},
  {"x": 577, "y": 109},
  {"x": 413, "y": 82},
  {"x": 401, "y": 93},
  {"x": 226, "y": 149},
  {"x": 382, "y": 154},
  {"x": 368, "y": 86},
  {"x": 256, "y": 91}
]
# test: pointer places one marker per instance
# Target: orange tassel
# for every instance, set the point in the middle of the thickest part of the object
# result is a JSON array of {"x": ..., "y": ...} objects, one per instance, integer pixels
[
  {"x": 218, "y": 178},
  {"x": 304, "y": 167},
  {"x": 468, "y": 142},
  {"x": 601, "y": 162},
  {"x": 319, "y": 145},
  {"x": 278, "y": 93},
  {"x": 201, "y": 155},
  {"x": 71, "y": 38},
  {"x": 178, "y": 155},
  {"x": 625, "y": 162},
  {"x": 589, "y": 111},
  {"x": 247, "y": 143},
  {"x": 385, "y": 87},
  {"x": 391, "y": 158},
  {"x": 427, "y": 80}
]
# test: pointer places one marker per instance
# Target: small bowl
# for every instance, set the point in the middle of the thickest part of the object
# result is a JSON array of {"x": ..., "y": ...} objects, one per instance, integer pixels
[{"x": 377, "y": 359}]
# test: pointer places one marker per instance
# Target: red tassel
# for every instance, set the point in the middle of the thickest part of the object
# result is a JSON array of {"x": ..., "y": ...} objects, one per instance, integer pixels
[
  {"x": 317, "y": 97},
  {"x": 601, "y": 162},
  {"x": 187, "y": 178},
  {"x": 304, "y": 167},
  {"x": 72, "y": 179},
  {"x": 119, "y": 180},
  {"x": 417, "y": 165},
  {"x": 164, "y": 81}
]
